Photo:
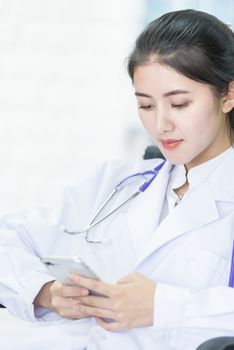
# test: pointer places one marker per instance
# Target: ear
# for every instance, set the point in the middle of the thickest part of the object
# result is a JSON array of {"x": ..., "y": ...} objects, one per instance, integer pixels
[{"x": 228, "y": 100}]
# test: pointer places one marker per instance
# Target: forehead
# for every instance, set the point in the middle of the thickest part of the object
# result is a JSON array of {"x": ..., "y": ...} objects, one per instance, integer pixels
[{"x": 161, "y": 78}]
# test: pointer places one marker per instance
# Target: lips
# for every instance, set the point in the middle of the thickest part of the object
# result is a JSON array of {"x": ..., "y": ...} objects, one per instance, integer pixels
[{"x": 170, "y": 144}]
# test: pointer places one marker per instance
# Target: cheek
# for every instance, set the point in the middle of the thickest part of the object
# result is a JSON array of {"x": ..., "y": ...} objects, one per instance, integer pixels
[
  {"x": 199, "y": 122},
  {"x": 202, "y": 129},
  {"x": 148, "y": 123}
]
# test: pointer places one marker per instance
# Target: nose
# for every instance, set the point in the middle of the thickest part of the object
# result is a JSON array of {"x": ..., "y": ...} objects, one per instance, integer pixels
[{"x": 163, "y": 121}]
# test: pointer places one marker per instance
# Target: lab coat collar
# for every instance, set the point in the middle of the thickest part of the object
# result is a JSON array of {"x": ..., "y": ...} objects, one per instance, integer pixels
[
  {"x": 197, "y": 209},
  {"x": 221, "y": 181}
]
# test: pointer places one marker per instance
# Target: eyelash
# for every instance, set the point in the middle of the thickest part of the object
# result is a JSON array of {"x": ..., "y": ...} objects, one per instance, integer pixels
[
  {"x": 146, "y": 107},
  {"x": 178, "y": 106}
]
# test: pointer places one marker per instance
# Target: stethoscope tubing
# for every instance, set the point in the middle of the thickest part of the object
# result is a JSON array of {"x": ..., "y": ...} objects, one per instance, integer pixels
[{"x": 89, "y": 227}]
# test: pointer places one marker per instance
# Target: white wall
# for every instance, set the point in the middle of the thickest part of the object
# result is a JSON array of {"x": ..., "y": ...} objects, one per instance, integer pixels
[{"x": 65, "y": 98}]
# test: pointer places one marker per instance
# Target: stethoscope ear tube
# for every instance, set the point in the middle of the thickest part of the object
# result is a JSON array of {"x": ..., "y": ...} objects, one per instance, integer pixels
[{"x": 231, "y": 276}]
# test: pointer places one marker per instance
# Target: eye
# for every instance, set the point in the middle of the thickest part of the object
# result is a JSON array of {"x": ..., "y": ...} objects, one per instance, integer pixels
[
  {"x": 180, "y": 106},
  {"x": 146, "y": 107}
]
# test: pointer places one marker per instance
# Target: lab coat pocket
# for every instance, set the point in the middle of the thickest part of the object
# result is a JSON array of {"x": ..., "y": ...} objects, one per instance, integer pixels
[
  {"x": 191, "y": 266},
  {"x": 204, "y": 268}
]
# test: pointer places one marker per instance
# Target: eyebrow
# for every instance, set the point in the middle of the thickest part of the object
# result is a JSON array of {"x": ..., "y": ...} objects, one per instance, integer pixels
[{"x": 166, "y": 94}]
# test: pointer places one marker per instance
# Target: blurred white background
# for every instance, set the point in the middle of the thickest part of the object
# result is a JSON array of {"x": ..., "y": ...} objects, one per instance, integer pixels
[
  {"x": 66, "y": 101},
  {"x": 65, "y": 98}
]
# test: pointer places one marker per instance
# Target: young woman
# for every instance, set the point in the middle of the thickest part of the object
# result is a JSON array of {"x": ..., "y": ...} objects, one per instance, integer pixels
[{"x": 165, "y": 256}]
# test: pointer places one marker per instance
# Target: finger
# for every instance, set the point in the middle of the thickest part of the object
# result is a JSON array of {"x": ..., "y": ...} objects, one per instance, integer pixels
[
  {"x": 67, "y": 308},
  {"x": 59, "y": 303},
  {"x": 77, "y": 317},
  {"x": 99, "y": 302},
  {"x": 91, "y": 284},
  {"x": 73, "y": 313},
  {"x": 73, "y": 291},
  {"x": 72, "y": 303},
  {"x": 96, "y": 312}
]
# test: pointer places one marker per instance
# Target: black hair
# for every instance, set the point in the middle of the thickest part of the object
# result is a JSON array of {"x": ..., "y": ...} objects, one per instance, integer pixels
[{"x": 194, "y": 43}]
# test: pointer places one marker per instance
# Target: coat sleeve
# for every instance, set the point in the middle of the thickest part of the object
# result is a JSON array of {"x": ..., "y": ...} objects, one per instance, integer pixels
[
  {"x": 25, "y": 236},
  {"x": 21, "y": 273},
  {"x": 191, "y": 317},
  {"x": 32, "y": 233}
]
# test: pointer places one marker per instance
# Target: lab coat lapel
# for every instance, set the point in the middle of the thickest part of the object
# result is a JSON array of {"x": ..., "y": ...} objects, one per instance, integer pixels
[
  {"x": 197, "y": 209},
  {"x": 144, "y": 215}
]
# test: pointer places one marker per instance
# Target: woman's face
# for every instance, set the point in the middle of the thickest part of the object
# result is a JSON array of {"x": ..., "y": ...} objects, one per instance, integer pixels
[{"x": 182, "y": 115}]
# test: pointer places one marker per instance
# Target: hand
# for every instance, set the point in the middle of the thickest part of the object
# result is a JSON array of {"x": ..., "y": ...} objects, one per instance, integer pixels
[
  {"x": 129, "y": 303},
  {"x": 61, "y": 298}
]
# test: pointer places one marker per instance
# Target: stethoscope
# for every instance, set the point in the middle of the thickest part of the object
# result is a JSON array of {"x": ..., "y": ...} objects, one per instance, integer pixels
[{"x": 143, "y": 187}]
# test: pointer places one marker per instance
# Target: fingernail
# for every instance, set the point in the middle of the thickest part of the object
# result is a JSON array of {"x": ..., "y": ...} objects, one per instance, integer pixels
[{"x": 72, "y": 277}]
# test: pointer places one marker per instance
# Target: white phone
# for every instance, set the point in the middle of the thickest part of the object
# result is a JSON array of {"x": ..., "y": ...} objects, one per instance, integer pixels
[{"x": 61, "y": 266}]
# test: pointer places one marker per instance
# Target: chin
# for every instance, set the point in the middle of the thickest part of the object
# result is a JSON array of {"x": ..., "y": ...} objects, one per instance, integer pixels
[
  {"x": 177, "y": 159},
  {"x": 180, "y": 155}
]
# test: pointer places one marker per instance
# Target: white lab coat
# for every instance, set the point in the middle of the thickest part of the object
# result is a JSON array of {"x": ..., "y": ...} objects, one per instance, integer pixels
[{"x": 188, "y": 255}]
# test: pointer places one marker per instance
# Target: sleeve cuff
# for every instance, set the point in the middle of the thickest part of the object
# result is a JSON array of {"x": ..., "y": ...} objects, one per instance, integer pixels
[{"x": 24, "y": 308}]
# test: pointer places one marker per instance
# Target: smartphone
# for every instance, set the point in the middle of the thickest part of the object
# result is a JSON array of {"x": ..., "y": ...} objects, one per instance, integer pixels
[{"x": 61, "y": 266}]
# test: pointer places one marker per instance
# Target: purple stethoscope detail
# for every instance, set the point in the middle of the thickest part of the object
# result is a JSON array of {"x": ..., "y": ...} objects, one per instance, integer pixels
[
  {"x": 146, "y": 184},
  {"x": 154, "y": 172},
  {"x": 231, "y": 276}
]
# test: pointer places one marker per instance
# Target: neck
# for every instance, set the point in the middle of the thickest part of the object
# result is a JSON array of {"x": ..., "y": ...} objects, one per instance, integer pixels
[
  {"x": 203, "y": 158},
  {"x": 180, "y": 191}
]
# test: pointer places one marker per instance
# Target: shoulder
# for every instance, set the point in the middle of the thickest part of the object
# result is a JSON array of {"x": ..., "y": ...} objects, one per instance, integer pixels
[{"x": 109, "y": 173}]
